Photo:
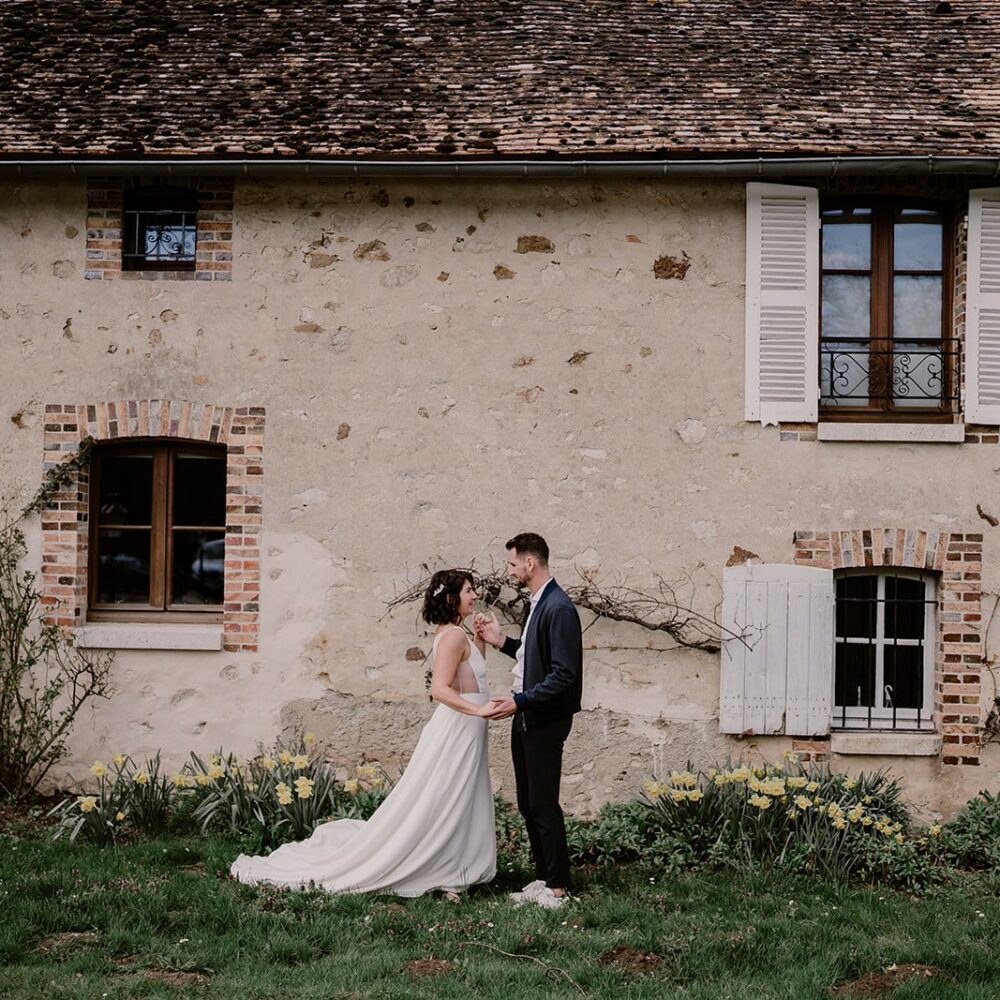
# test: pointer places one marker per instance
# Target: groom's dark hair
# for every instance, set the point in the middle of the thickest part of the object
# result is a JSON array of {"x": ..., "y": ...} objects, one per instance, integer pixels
[{"x": 528, "y": 543}]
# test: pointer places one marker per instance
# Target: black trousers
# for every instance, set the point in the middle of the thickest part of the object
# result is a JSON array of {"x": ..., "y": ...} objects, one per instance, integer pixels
[{"x": 537, "y": 752}]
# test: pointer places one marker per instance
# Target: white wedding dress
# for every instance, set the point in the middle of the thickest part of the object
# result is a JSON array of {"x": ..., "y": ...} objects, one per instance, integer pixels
[{"x": 435, "y": 829}]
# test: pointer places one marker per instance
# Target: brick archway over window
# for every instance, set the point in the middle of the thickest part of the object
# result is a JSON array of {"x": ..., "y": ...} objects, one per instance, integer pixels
[
  {"x": 958, "y": 662},
  {"x": 65, "y": 521}
]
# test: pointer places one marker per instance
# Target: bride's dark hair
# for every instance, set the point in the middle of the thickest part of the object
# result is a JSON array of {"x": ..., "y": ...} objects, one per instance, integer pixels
[{"x": 441, "y": 598}]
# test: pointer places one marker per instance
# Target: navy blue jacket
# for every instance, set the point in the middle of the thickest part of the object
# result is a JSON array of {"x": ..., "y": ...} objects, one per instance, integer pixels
[{"x": 553, "y": 659}]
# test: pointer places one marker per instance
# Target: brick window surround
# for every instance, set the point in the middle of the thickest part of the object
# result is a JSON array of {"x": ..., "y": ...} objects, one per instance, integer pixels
[
  {"x": 65, "y": 528},
  {"x": 214, "y": 222},
  {"x": 958, "y": 662}
]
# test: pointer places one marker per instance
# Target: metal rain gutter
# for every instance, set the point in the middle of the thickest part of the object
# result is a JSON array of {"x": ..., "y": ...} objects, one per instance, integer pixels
[{"x": 360, "y": 168}]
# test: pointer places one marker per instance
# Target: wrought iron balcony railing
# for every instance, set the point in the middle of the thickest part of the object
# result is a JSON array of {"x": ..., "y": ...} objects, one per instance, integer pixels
[{"x": 917, "y": 374}]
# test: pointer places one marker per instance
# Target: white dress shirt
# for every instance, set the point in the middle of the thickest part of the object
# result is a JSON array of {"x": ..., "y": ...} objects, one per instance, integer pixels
[{"x": 517, "y": 671}]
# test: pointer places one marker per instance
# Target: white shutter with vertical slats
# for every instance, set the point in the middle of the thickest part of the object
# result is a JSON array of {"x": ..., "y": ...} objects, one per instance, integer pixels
[
  {"x": 982, "y": 312},
  {"x": 777, "y": 650},
  {"x": 782, "y": 307}
]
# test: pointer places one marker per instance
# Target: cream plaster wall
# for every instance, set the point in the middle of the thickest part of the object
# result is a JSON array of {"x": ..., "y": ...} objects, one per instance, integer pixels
[{"x": 634, "y": 461}]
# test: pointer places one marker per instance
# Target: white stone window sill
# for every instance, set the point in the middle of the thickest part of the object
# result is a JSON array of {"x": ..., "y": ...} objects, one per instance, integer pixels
[
  {"x": 882, "y": 743},
  {"x": 915, "y": 433},
  {"x": 117, "y": 635}
]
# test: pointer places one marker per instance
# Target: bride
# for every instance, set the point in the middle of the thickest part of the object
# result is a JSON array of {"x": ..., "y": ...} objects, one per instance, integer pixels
[{"x": 435, "y": 829}]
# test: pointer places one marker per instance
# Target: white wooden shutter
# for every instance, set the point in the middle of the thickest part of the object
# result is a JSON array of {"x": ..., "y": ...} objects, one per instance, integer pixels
[
  {"x": 777, "y": 650},
  {"x": 982, "y": 329},
  {"x": 782, "y": 290}
]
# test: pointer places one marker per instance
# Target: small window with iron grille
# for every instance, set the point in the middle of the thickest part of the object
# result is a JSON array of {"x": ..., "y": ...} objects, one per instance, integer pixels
[
  {"x": 159, "y": 229},
  {"x": 886, "y": 350},
  {"x": 884, "y": 653}
]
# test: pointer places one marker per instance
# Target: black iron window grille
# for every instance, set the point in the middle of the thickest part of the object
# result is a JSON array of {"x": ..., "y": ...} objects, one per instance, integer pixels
[
  {"x": 884, "y": 650},
  {"x": 160, "y": 229},
  {"x": 918, "y": 374}
]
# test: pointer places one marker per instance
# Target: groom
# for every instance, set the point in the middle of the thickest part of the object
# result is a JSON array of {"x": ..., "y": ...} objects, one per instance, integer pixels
[{"x": 547, "y": 685}]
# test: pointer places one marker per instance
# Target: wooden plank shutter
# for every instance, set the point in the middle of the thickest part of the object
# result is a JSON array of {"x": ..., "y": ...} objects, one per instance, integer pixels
[
  {"x": 782, "y": 300},
  {"x": 982, "y": 330},
  {"x": 777, "y": 678}
]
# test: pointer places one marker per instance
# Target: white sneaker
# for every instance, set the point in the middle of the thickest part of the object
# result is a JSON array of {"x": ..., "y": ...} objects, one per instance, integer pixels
[
  {"x": 548, "y": 900},
  {"x": 529, "y": 893}
]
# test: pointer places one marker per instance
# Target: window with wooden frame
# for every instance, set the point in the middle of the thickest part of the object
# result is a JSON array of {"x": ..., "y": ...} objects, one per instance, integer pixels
[
  {"x": 886, "y": 349},
  {"x": 159, "y": 228},
  {"x": 884, "y": 649},
  {"x": 157, "y": 531}
]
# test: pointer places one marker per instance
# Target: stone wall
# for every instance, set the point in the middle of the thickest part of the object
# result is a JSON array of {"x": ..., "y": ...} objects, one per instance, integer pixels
[{"x": 441, "y": 366}]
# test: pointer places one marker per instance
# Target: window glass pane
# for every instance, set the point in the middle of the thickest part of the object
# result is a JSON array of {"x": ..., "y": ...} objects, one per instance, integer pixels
[
  {"x": 904, "y": 608},
  {"x": 199, "y": 490},
  {"x": 918, "y": 240},
  {"x": 846, "y": 305},
  {"x": 847, "y": 243},
  {"x": 199, "y": 560},
  {"x": 123, "y": 566},
  {"x": 856, "y": 606},
  {"x": 854, "y": 680},
  {"x": 844, "y": 368},
  {"x": 904, "y": 677},
  {"x": 126, "y": 491},
  {"x": 916, "y": 307}
]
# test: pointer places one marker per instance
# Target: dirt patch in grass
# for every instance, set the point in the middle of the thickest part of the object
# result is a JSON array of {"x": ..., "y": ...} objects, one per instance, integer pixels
[
  {"x": 630, "y": 960},
  {"x": 881, "y": 985},
  {"x": 173, "y": 978},
  {"x": 60, "y": 944},
  {"x": 426, "y": 968},
  {"x": 22, "y": 819}
]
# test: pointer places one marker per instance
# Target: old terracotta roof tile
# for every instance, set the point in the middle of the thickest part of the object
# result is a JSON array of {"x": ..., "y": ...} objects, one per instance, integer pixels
[{"x": 492, "y": 77}]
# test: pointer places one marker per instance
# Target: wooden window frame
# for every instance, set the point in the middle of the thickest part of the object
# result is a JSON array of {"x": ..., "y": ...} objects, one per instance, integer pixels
[
  {"x": 882, "y": 272},
  {"x": 144, "y": 199},
  {"x": 161, "y": 531}
]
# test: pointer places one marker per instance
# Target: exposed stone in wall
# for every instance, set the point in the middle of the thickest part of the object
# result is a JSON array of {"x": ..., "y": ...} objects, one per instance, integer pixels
[
  {"x": 534, "y": 244},
  {"x": 672, "y": 267}
]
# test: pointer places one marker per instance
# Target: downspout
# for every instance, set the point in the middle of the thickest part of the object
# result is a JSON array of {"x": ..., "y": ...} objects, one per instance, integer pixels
[{"x": 360, "y": 168}]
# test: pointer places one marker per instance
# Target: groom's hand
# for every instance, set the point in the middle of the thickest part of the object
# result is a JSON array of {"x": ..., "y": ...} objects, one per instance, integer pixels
[
  {"x": 500, "y": 708},
  {"x": 488, "y": 629}
]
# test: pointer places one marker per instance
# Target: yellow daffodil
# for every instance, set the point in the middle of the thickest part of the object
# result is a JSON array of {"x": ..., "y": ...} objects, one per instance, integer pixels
[
  {"x": 712, "y": 772},
  {"x": 181, "y": 780},
  {"x": 694, "y": 795},
  {"x": 683, "y": 779},
  {"x": 141, "y": 778},
  {"x": 678, "y": 794},
  {"x": 119, "y": 816},
  {"x": 86, "y": 803},
  {"x": 760, "y": 801},
  {"x": 119, "y": 759},
  {"x": 867, "y": 800},
  {"x": 284, "y": 793},
  {"x": 285, "y": 757},
  {"x": 202, "y": 779},
  {"x": 303, "y": 787},
  {"x": 866, "y": 821},
  {"x": 300, "y": 762},
  {"x": 796, "y": 782},
  {"x": 850, "y": 783},
  {"x": 98, "y": 770},
  {"x": 216, "y": 771},
  {"x": 378, "y": 782},
  {"x": 267, "y": 763},
  {"x": 654, "y": 789},
  {"x": 351, "y": 786},
  {"x": 214, "y": 759},
  {"x": 234, "y": 770},
  {"x": 740, "y": 774},
  {"x": 812, "y": 787},
  {"x": 802, "y": 802},
  {"x": 899, "y": 838},
  {"x": 793, "y": 813},
  {"x": 309, "y": 739},
  {"x": 935, "y": 830},
  {"x": 838, "y": 822},
  {"x": 251, "y": 786}
]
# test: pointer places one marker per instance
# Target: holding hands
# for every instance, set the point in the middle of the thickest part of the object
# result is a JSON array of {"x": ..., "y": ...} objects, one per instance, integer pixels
[{"x": 487, "y": 628}]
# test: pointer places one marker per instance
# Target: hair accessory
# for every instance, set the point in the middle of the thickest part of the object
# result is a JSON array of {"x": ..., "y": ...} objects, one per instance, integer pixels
[{"x": 438, "y": 591}]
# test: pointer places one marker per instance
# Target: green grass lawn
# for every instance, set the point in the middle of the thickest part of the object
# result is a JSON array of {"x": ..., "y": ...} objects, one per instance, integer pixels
[{"x": 162, "y": 919}]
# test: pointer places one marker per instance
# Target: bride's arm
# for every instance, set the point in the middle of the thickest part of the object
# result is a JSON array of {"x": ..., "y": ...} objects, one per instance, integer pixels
[{"x": 447, "y": 661}]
